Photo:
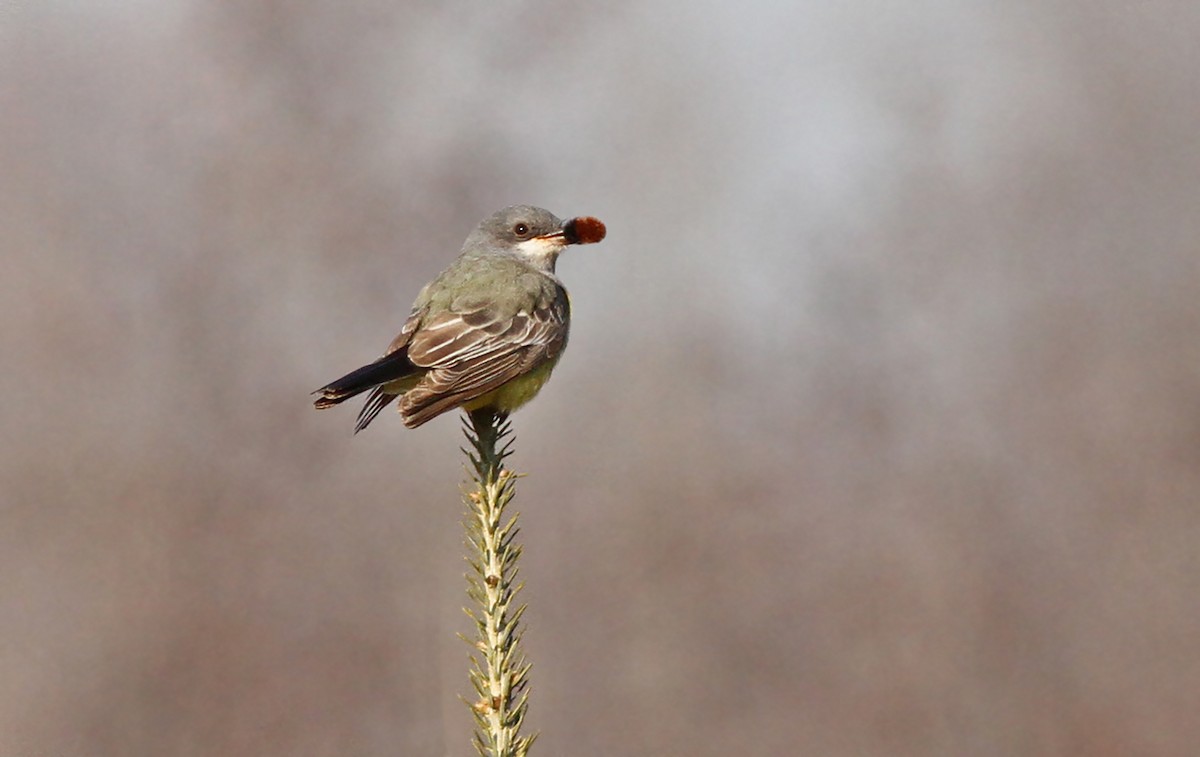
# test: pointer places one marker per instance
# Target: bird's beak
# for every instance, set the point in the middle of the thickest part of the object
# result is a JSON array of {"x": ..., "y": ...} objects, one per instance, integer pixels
[
  {"x": 555, "y": 237},
  {"x": 583, "y": 230}
]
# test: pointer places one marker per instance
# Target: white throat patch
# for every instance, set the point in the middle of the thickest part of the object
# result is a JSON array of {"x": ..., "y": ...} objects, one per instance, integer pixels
[{"x": 541, "y": 252}]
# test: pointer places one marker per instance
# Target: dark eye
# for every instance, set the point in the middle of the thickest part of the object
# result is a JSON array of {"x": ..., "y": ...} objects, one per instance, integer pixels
[{"x": 520, "y": 229}]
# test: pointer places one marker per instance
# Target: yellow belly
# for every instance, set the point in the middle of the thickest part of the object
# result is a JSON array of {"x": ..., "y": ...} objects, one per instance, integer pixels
[{"x": 515, "y": 393}]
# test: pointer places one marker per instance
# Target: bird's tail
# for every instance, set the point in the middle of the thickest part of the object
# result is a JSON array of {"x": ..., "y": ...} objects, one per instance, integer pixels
[
  {"x": 376, "y": 402},
  {"x": 388, "y": 368}
]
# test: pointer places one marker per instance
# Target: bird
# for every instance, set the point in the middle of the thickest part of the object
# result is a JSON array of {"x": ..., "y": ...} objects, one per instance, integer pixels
[{"x": 486, "y": 333}]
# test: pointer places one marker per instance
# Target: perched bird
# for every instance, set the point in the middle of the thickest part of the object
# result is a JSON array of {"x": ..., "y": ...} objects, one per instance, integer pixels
[{"x": 486, "y": 333}]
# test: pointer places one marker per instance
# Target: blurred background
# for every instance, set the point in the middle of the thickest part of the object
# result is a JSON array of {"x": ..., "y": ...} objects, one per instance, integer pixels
[{"x": 879, "y": 433}]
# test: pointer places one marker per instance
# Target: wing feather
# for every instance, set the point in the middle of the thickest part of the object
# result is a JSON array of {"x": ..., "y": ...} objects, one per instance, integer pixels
[
  {"x": 470, "y": 354},
  {"x": 406, "y": 332}
]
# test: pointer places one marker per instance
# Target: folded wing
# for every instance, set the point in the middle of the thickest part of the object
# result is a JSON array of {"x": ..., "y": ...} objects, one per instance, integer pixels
[{"x": 471, "y": 353}]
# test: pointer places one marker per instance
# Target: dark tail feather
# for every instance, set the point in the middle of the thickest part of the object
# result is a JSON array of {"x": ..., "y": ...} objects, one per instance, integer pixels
[
  {"x": 378, "y": 400},
  {"x": 387, "y": 368}
]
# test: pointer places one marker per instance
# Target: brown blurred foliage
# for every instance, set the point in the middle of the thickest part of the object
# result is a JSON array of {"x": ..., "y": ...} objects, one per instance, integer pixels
[{"x": 879, "y": 432}]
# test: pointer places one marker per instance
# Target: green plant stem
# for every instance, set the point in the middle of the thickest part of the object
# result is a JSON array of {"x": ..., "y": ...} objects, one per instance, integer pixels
[{"x": 499, "y": 669}]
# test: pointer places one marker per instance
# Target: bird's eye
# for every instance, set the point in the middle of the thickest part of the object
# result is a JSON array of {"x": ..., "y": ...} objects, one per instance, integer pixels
[{"x": 520, "y": 229}]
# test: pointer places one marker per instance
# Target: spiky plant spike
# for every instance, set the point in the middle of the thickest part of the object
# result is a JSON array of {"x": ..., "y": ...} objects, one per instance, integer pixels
[{"x": 498, "y": 667}]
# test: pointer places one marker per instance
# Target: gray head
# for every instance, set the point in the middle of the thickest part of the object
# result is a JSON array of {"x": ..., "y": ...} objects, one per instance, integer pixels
[{"x": 535, "y": 235}]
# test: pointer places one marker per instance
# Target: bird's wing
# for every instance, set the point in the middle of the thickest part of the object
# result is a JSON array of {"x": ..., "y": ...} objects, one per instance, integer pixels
[
  {"x": 393, "y": 365},
  {"x": 469, "y": 354},
  {"x": 406, "y": 331}
]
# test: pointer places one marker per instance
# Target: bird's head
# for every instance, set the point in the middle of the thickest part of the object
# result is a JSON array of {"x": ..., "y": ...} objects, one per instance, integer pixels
[{"x": 534, "y": 234}]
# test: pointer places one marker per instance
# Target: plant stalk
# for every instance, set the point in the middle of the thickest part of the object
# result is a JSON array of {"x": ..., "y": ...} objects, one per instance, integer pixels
[{"x": 499, "y": 669}]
